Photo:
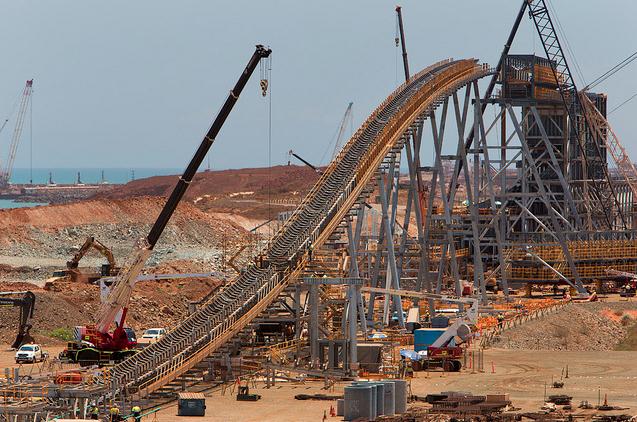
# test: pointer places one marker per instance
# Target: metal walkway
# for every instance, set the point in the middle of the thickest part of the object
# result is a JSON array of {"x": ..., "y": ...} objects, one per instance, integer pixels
[{"x": 337, "y": 191}]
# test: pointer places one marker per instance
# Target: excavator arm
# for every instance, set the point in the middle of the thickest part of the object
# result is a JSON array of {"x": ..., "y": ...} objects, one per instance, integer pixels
[
  {"x": 27, "y": 306},
  {"x": 91, "y": 242}
]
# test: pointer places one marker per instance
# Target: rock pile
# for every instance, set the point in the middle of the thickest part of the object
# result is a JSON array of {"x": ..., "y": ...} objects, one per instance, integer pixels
[{"x": 577, "y": 327}]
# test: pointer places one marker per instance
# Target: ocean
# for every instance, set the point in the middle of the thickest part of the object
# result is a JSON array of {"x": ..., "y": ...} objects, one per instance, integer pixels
[
  {"x": 87, "y": 175},
  {"x": 8, "y": 203}
]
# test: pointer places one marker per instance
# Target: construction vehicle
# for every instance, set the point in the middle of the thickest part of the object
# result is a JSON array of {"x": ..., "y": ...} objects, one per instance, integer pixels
[
  {"x": 628, "y": 290},
  {"x": 441, "y": 354},
  {"x": 628, "y": 287},
  {"x": 30, "y": 353},
  {"x": 27, "y": 307},
  {"x": 99, "y": 346},
  {"x": 72, "y": 266}
]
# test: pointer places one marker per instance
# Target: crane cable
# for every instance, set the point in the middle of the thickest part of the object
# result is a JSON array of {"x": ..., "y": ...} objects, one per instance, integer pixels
[
  {"x": 619, "y": 66},
  {"x": 563, "y": 36},
  {"x": 265, "y": 69},
  {"x": 397, "y": 42},
  {"x": 623, "y": 103}
]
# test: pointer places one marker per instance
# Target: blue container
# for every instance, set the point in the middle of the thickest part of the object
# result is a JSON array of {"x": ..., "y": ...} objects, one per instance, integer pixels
[{"x": 425, "y": 337}]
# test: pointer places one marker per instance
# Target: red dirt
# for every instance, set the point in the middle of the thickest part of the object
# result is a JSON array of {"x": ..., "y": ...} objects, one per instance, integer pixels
[
  {"x": 16, "y": 223},
  {"x": 160, "y": 303},
  {"x": 281, "y": 180}
]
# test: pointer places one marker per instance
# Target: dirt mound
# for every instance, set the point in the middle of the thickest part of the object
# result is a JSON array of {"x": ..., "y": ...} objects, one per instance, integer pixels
[
  {"x": 46, "y": 237},
  {"x": 578, "y": 327},
  {"x": 254, "y": 182},
  {"x": 256, "y": 193},
  {"x": 160, "y": 303},
  {"x": 14, "y": 222}
]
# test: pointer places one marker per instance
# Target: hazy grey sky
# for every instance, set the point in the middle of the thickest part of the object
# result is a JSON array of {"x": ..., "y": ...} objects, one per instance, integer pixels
[{"x": 137, "y": 83}]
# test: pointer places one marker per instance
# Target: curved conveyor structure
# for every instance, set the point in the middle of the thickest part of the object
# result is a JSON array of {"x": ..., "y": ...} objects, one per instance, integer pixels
[{"x": 338, "y": 189}]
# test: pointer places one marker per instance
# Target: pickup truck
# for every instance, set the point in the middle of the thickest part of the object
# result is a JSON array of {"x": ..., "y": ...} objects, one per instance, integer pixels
[
  {"x": 30, "y": 353},
  {"x": 150, "y": 336}
]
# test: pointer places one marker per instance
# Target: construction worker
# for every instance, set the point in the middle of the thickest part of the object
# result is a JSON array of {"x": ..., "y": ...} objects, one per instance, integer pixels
[
  {"x": 114, "y": 414},
  {"x": 310, "y": 248},
  {"x": 95, "y": 412},
  {"x": 500, "y": 321},
  {"x": 409, "y": 370},
  {"x": 136, "y": 413}
]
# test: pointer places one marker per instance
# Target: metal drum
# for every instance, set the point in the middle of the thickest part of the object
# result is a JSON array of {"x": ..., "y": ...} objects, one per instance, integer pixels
[
  {"x": 375, "y": 397},
  {"x": 380, "y": 398},
  {"x": 389, "y": 398},
  {"x": 358, "y": 402},
  {"x": 400, "y": 393}
]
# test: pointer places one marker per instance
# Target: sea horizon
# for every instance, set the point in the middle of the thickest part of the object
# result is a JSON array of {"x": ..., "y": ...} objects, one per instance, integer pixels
[{"x": 88, "y": 175}]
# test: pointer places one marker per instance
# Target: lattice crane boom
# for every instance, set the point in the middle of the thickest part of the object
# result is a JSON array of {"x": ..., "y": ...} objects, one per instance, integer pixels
[
  {"x": 539, "y": 13},
  {"x": 599, "y": 126},
  {"x": 5, "y": 173},
  {"x": 341, "y": 130}
]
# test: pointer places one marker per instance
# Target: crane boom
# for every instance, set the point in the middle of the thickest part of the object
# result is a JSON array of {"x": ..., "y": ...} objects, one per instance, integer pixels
[
  {"x": 539, "y": 13},
  {"x": 5, "y": 173},
  {"x": 341, "y": 129},
  {"x": 399, "y": 15},
  {"x": 120, "y": 293},
  {"x": 617, "y": 273},
  {"x": 599, "y": 126}
]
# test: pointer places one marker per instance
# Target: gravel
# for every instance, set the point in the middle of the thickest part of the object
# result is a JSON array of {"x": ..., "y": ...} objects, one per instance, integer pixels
[{"x": 577, "y": 327}]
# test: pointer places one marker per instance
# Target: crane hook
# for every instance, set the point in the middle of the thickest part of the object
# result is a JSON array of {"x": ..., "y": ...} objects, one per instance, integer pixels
[{"x": 264, "y": 87}]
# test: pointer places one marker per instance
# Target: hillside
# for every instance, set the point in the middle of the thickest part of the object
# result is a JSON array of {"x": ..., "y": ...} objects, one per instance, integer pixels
[{"x": 257, "y": 194}]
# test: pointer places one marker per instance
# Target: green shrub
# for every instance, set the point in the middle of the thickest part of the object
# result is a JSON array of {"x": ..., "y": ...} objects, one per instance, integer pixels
[{"x": 62, "y": 333}]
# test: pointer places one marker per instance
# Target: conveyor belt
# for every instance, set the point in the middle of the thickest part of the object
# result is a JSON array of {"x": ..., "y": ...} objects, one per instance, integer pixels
[{"x": 338, "y": 189}]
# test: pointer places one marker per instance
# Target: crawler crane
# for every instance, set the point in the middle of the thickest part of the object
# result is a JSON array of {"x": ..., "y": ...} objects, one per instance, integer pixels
[{"x": 98, "y": 345}]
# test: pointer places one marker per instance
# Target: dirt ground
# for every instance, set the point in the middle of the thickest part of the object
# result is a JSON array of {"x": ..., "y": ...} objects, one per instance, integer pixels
[
  {"x": 521, "y": 373},
  {"x": 157, "y": 303},
  {"x": 7, "y": 359}
]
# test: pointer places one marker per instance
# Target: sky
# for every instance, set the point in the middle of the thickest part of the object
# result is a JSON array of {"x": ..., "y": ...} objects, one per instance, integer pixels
[{"x": 138, "y": 83}]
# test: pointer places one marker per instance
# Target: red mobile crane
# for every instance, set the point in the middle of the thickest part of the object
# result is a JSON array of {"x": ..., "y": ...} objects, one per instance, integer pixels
[{"x": 100, "y": 346}]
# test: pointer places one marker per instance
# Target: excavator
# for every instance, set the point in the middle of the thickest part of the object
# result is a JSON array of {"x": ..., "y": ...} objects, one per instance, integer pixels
[
  {"x": 107, "y": 269},
  {"x": 96, "y": 344},
  {"x": 27, "y": 306}
]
